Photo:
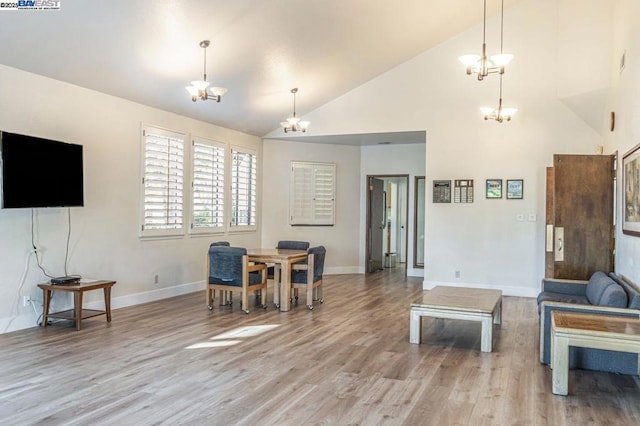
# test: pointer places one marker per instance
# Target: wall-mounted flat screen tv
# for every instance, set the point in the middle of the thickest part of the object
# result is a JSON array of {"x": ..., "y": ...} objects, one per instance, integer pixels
[{"x": 39, "y": 172}]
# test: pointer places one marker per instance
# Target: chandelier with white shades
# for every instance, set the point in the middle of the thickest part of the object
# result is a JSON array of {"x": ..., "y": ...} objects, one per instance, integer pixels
[
  {"x": 500, "y": 113},
  {"x": 200, "y": 89},
  {"x": 481, "y": 64},
  {"x": 293, "y": 123}
]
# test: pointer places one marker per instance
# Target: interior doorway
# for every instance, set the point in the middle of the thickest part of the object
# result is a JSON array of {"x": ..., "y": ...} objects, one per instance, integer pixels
[{"x": 387, "y": 215}]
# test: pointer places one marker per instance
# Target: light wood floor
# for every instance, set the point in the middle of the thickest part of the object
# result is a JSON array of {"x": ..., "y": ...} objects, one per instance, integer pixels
[{"x": 348, "y": 361}]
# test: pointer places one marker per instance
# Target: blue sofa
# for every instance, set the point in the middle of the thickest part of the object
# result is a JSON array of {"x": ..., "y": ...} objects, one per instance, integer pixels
[{"x": 603, "y": 295}]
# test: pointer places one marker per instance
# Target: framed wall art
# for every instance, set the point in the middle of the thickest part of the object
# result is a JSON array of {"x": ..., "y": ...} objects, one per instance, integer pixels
[
  {"x": 441, "y": 191},
  {"x": 463, "y": 191},
  {"x": 631, "y": 192},
  {"x": 494, "y": 188},
  {"x": 515, "y": 189}
]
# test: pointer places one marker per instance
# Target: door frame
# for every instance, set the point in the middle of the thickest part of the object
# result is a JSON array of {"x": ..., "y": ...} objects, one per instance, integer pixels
[{"x": 368, "y": 217}]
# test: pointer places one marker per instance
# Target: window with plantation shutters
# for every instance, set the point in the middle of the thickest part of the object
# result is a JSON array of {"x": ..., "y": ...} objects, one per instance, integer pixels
[
  {"x": 312, "y": 192},
  {"x": 243, "y": 188},
  {"x": 207, "y": 186},
  {"x": 162, "y": 182}
]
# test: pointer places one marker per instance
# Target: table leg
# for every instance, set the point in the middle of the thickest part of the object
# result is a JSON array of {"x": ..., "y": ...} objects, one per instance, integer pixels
[
  {"x": 560, "y": 364},
  {"x": 285, "y": 286},
  {"x": 107, "y": 302},
  {"x": 77, "y": 306},
  {"x": 497, "y": 318},
  {"x": 46, "y": 298},
  {"x": 276, "y": 284},
  {"x": 486, "y": 339},
  {"x": 415, "y": 327}
]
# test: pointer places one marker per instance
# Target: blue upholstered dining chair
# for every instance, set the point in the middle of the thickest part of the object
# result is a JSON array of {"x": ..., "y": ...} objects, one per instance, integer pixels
[
  {"x": 228, "y": 269},
  {"x": 220, "y": 243},
  {"x": 309, "y": 275}
]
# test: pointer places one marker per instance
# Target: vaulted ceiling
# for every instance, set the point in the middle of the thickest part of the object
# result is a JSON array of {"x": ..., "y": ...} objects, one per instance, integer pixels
[{"x": 148, "y": 51}]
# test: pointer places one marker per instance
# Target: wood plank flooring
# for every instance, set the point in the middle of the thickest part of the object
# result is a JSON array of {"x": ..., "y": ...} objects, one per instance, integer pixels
[{"x": 348, "y": 361}]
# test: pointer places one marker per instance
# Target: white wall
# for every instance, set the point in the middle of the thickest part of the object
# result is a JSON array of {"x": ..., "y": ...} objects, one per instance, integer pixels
[
  {"x": 625, "y": 101},
  {"x": 340, "y": 240},
  {"x": 483, "y": 240},
  {"x": 104, "y": 240}
]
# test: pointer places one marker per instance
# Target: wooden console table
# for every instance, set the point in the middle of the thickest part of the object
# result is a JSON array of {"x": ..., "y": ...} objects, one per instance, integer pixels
[
  {"x": 588, "y": 331},
  {"x": 76, "y": 314}
]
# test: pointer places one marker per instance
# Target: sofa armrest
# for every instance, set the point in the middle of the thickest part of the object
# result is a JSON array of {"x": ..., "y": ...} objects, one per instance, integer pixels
[
  {"x": 557, "y": 285},
  {"x": 546, "y": 308}
]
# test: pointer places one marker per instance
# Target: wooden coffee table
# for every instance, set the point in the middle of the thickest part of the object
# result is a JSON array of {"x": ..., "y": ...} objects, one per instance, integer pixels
[
  {"x": 588, "y": 331},
  {"x": 471, "y": 304}
]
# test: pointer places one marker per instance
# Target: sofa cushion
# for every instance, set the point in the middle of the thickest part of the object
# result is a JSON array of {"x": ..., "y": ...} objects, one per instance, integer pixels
[
  {"x": 614, "y": 296},
  {"x": 598, "y": 283},
  {"x": 633, "y": 295}
]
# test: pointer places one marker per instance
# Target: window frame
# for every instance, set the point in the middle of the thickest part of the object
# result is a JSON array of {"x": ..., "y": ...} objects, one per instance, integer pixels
[
  {"x": 207, "y": 230},
  {"x": 308, "y": 216},
  {"x": 171, "y": 134},
  {"x": 235, "y": 227}
]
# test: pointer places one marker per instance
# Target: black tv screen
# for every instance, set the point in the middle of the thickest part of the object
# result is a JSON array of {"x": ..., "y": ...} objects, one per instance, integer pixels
[{"x": 39, "y": 172}]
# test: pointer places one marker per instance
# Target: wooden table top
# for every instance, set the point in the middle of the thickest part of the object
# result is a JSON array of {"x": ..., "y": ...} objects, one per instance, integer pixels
[
  {"x": 78, "y": 286},
  {"x": 593, "y": 324},
  {"x": 276, "y": 254},
  {"x": 460, "y": 298}
]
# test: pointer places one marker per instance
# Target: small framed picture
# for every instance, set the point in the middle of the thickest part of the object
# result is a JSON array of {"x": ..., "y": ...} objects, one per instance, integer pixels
[
  {"x": 515, "y": 189},
  {"x": 441, "y": 191},
  {"x": 494, "y": 188},
  {"x": 631, "y": 192}
]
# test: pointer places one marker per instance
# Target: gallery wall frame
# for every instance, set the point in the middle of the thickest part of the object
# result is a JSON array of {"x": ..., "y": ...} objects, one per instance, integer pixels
[
  {"x": 631, "y": 192},
  {"x": 515, "y": 189},
  {"x": 441, "y": 191},
  {"x": 493, "y": 189}
]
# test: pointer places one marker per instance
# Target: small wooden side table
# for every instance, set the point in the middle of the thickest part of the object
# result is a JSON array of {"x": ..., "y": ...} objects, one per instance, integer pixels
[
  {"x": 76, "y": 314},
  {"x": 587, "y": 331}
]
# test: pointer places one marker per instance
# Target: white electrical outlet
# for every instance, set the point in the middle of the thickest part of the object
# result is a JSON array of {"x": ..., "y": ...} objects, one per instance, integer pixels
[
  {"x": 457, "y": 273},
  {"x": 26, "y": 300}
]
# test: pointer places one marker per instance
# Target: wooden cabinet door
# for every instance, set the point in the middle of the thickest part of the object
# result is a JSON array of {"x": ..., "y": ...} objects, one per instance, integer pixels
[{"x": 579, "y": 216}]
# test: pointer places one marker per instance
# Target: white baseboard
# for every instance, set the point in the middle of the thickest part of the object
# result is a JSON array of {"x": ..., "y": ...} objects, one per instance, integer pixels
[
  {"x": 337, "y": 270},
  {"x": 29, "y": 320},
  {"x": 149, "y": 296},
  {"x": 506, "y": 290}
]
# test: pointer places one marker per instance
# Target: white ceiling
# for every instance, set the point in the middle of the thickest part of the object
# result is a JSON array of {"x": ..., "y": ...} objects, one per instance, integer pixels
[{"x": 148, "y": 51}]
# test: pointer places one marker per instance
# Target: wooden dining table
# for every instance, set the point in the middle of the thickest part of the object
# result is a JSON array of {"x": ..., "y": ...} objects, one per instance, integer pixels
[{"x": 282, "y": 259}]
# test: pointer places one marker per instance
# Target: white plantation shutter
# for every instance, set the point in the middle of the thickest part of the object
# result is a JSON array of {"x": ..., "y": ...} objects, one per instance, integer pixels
[
  {"x": 243, "y": 188},
  {"x": 162, "y": 182},
  {"x": 312, "y": 193},
  {"x": 207, "y": 186}
]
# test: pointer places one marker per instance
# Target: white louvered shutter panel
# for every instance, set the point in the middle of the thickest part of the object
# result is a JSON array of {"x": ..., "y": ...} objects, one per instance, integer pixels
[
  {"x": 207, "y": 186},
  {"x": 312, "y": 193},
  {"x": 163, "y": 182},
  {"x": 243, "y": 188}
]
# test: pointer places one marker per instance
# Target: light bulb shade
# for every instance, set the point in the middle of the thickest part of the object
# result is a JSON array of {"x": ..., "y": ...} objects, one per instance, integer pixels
[
  {"x": 470, "y": 60},
  {"x": 200, "y": 84},
  {"x": 487, "y": 111},
  {"x": 501, "y": 59},
  {"x": 293, "y": 121},
  {"x": 509, "y": 112},
  {"x": 285, "y": 124},
  {"x": 218, "y": 91},
  {"x": 304, "y": 124},
  {"x": 193, "y": 91}
]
